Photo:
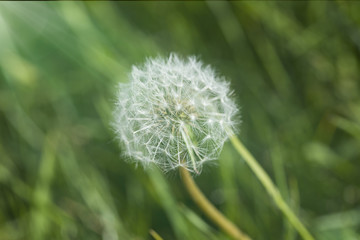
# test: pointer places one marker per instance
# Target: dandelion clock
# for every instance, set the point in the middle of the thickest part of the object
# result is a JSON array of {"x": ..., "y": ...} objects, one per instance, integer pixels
[
  {"x": 173, "y": 113},
  {"x": 178, "y": 113}
]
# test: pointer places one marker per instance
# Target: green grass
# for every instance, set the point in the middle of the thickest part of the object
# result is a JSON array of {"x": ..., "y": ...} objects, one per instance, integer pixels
[{"x": 294, "y": 68}]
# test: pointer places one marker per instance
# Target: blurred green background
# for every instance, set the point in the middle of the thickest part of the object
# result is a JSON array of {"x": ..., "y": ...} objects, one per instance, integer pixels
[{"x": 294, "y": 67}]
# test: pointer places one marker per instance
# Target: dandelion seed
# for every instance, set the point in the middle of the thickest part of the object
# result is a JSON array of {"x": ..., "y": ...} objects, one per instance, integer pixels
[{"x": 166, "y": 113}]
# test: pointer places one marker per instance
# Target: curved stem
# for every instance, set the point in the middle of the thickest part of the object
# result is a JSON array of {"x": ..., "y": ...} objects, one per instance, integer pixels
[
  {"x": 209, "y": 209},
  {"x": 155, "y": 235},
  {"x": 269, "y": 186}
]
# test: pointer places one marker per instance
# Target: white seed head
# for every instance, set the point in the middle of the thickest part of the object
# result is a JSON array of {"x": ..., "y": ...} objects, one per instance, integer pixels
[{"x": 173, "y": 113}]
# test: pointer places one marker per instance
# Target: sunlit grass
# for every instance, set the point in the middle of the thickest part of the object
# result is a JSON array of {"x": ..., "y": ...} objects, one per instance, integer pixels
[{"x": 293, "y": 66}]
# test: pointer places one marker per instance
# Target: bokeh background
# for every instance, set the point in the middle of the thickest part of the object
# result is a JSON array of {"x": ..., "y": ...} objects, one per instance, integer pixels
[{"x": 294, "y": 68}]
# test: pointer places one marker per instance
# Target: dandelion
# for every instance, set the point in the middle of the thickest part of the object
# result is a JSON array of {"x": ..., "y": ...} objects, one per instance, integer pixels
[
  {"x": 174, "y": 113},
  {"x": 177, "y": 114}
]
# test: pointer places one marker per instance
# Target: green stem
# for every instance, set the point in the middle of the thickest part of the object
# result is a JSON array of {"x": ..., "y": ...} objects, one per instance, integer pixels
[
  {"x": 206, "y": 206},
  {"x": 155, "y": 235},
  {"x": 269, "y": 186},
  {"x": 185, "y": 136}
]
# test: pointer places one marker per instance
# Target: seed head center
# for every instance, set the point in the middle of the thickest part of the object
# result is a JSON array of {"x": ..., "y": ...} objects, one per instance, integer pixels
[{"x": 176, "y": 111}]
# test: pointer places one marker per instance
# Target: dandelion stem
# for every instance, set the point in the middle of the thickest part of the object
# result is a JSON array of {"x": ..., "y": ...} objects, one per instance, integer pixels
[
  {"x": 269, "y": 186},
  {"x": 155, "y": 235},
  {"x": 215, "y": 215},
  {"x": 188, "y": 146}
]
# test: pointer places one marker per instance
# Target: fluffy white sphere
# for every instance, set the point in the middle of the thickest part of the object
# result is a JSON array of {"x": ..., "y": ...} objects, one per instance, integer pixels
[{"x": 174, "y": 112}]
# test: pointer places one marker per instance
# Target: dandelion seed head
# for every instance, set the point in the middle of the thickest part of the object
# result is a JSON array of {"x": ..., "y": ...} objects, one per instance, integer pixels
[{"x": 174, "y": 112}]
